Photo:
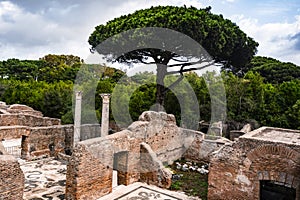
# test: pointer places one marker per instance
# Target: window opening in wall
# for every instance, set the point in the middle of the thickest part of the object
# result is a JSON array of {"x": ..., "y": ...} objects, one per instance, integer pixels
[{"x": 271, "y": 190}]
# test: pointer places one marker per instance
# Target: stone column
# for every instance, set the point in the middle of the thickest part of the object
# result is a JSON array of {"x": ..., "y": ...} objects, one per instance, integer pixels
[
  {"x": 105, "y": 114},
  {"x": 77, "y": 117}
]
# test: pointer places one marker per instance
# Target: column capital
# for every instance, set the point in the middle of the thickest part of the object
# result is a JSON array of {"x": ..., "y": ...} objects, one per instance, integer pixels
[
  {"x": 105, "y": 97},
  {"x": 78, "y": 94}
]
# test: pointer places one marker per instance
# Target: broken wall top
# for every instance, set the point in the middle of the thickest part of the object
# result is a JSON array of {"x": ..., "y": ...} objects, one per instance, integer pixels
[{"x": 22, "y": 115}]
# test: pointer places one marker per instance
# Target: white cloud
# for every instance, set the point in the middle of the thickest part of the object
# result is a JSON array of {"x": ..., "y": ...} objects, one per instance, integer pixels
[
  {"x": 274, "y": 38},
  {"x": 30, "y": 29}
]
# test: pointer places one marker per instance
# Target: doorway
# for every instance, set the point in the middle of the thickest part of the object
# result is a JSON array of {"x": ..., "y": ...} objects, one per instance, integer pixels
[
  {"x": 120, "y": 166},
  {"x": 270, "y": 190}
]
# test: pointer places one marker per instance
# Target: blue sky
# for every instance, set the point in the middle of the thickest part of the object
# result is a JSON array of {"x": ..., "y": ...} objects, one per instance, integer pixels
[{"x": 30, "y": 29}]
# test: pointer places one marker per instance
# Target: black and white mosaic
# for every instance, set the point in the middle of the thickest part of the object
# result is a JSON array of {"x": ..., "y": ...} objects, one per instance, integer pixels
[
  {"x": 44, "y": 179},
  {"x": 144, "y": 193}
]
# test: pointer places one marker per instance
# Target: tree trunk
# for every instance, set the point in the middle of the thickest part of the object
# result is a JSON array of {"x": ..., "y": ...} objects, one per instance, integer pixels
[{"x": 160, "y": 88}]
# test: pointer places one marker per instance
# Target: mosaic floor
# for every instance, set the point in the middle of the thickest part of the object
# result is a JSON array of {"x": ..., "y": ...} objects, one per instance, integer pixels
[
  {"x": 44, "y": 179},
  {"x": 146, "y": 193},
  {"x": 141, "y": 191}
]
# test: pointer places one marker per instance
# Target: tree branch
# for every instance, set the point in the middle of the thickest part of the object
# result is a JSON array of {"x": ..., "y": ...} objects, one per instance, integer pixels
[
  {"x": 189, "y": 69},
  {"x": 147, "y": 63},
  {"x": 179, "y": 60},
  {"x": 188, "y": 64}
]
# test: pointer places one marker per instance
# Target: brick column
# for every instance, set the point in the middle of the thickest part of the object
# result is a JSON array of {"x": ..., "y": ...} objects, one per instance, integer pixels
[
  {"x": 77, "y": 117},
  {"x": 105, "y": 114}
]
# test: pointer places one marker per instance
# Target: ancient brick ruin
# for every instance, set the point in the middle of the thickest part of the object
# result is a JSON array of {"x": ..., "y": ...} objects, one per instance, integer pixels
[
  {"x": 11, "y": 177},
  {"x": 255, "y": 164},
  {"x": 247, "y": 168},
  {"x": 137, "y": 153},
  {"x": 39, "y": 135}
]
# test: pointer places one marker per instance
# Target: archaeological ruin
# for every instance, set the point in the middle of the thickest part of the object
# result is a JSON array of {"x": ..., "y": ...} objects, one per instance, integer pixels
[
  {"x": 259, "y": 164},
  {"x": 262, "y": 164}
]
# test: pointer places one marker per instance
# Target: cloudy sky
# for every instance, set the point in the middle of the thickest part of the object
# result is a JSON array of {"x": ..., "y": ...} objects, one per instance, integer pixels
[{"x": 30, "y": 29}]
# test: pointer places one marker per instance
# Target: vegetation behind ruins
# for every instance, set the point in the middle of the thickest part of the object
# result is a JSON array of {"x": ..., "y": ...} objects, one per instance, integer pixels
[{"x": 259, "y": 97}]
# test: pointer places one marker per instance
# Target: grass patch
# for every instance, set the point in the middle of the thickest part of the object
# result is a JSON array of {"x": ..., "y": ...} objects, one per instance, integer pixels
[{"x": 191, "y": 182}]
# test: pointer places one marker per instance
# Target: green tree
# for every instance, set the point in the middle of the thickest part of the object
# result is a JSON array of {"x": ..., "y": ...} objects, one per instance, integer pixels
[
  {"x": 273, "y": 70},
  {"x": 59, "y": 67},
  {"x": 19, "y": 69},
  {"x": 223, "y": 40}
]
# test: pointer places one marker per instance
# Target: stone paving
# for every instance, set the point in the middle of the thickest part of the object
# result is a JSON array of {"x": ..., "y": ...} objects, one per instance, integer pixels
[{"x": 44, "y": 179}]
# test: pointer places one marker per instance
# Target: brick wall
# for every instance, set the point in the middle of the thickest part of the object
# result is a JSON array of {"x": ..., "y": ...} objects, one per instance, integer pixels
[
  {"x": 46, "y": 141},
  {"x": 12, "y": 132},
  {"x": 157, "y": 130},
  {"x": 83, "y": 174},
  {"x": 236, "y": 171},
  {"x": 11, "y": 177},
  {"x": 27, "y": 120}
]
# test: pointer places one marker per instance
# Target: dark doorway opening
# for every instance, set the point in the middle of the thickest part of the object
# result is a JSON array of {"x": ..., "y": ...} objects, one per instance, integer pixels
[
  {"x": 120, "y": 166},
  {"x": 271, "y": 190}
]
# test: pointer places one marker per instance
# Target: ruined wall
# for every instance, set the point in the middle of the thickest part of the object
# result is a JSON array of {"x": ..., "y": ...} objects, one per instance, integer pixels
[
  {"x": 16, "y": 119},
  {"x": 152, "y": 170},
  {"x": 88, "y": 131},
  {"x": 12, "y": 132},
  {"x": 83, "y": 175},
  {"x": 158, "y": 130},
  {"x": 11, "y": 177},
  {"x": 201, "y": 150},
  {"x": 202, "y": 145},
  {"x": 27, "y": 120},
  {"x": 236, "y": 170},
  {"x": 46, "y": 141}
]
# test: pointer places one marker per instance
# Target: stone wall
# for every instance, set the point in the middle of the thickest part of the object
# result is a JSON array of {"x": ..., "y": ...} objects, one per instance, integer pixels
[
  {"x": 152, "y": 170},
  {"x": 202, "y": 149},
  {"x": 88, "y": 131},
  {"x": 87, "y": 177},
  {"x": 48, "y": 141},
  {"x": 12, "y": 132},
  {"x": 236, "y": 170},
  {"x": 157, "y": 130},
  {"x": 12, "y": 177},
  {"x": 27, "y": 120}
]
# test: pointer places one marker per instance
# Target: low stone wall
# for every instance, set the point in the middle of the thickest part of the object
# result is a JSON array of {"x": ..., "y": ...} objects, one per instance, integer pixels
[
  {"x": 27, "y": 120},
  {"x": 236, "y": 134},
  {"x": 201, "y": 150},
  {"x": 202, "y": 145},
  {"x": 11, "y": 177}
]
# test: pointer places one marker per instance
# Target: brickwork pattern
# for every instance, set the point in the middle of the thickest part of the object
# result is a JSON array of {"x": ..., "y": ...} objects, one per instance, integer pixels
[
  {"x": 158, "y": 131},
  {"x": 236, "y": 171},
  {"x": 84, "y": 172},
  {"x": 11, "y": 178}
]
